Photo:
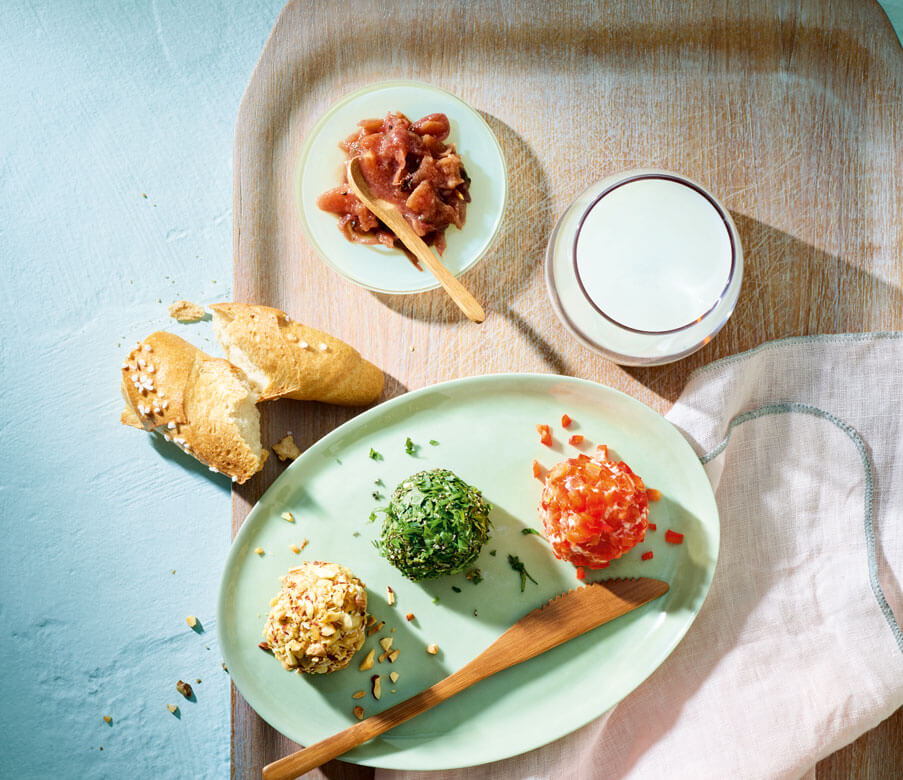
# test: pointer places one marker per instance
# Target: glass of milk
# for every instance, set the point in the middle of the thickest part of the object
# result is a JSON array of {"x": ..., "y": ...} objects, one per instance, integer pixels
[{"x": 644, "y": 267}]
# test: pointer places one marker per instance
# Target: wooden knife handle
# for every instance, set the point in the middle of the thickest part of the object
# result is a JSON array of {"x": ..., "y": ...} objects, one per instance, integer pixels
[{"x": 334, "y": 746}]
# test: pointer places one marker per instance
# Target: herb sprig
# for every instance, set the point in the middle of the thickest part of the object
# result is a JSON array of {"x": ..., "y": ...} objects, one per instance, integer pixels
[{"x": 519, "y": 567}]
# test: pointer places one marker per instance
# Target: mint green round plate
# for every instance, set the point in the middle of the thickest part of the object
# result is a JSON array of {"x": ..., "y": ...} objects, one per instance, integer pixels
[
  {"x": 320, "y": 167},
  {"x": 484, "y": 429}
]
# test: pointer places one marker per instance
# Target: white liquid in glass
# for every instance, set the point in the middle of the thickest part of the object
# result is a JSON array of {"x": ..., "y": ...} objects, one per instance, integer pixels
[{"x": 653, "y": 254}]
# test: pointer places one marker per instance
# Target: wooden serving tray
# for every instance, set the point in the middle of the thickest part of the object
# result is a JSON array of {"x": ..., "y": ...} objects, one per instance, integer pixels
[{"x": 791, "y": 113}]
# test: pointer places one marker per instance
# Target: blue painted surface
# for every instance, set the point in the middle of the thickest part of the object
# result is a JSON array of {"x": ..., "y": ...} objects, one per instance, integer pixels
[{"x": 103, "y": 104}]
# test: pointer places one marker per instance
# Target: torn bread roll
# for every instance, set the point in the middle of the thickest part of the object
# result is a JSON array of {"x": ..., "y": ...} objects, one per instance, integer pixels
[
  {"x": 285, "y": 359},
  {"x": 203, "y": 404}
]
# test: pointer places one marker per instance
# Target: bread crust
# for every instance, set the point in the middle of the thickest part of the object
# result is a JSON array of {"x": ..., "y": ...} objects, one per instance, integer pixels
[
  {"x": 285, "y": 359},
  {"x": 204, "y": 405}
]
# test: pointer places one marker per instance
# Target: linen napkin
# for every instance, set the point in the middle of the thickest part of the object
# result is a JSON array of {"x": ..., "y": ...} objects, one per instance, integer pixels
[{"x": 798, "y": 648}]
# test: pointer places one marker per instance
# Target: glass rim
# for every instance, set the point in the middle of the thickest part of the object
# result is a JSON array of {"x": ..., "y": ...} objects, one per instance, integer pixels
[{"x": 668, "y": 176}]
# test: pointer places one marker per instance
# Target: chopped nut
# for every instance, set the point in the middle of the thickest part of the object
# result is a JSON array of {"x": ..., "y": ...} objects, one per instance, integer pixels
[
  {"x": 393, "y": 676},
  {"x": 186, "y": 311},
  {"x": 184, "y": 688},
  {"x": 107, "y": 719},
  {"x": 367, "y": 663},
  {"x": 192, "y": 621},
  {"x": 393, "y": 655},
  {"x": 286, "y": 449},
  {"x": 390, "y": 596},
  {"x": 288, "y": 517},
  {"x": 198, "y": 680},
  {"x": 258, "y": 550},
  {"x": 370, "y": 620},
  {"x": 386, "y": 642},
  {"x": 173, "y": 708},
  {"x": 383, "y": 657},
  {"x": 358, "y": 694},
  {"x": 409, "y": 617},
  {"x": 265, "y": 646},
  {"x": 358, "y": 712},
  {"x": 294, "y": 548},
  {"x": 376, "y": 627},
  {"x": 377, "y": 686},
  {"x": 432, "y": 649}
]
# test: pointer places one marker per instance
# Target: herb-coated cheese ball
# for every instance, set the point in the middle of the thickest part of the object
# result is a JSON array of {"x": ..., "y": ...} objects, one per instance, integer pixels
[{"x": 435, "y": 524}]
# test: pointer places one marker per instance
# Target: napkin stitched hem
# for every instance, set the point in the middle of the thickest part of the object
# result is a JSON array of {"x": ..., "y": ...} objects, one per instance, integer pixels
[
  {"x": 790, "y": 341},
  {"x": 800, "y": 408}
]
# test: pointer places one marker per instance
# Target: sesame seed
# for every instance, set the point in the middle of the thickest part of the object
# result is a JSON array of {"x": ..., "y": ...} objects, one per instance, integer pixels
[
  {"x": 214, "y": 469},
  {"x": 323, "y": 347},
  {"x": 165, "y": 403},
  {"x": 151, "y": 369},
  {"x": 171, "y": 425},
  {"x": 166, "y": 436},
  {"x": 147, "y": 347},
  {"x": 162, "y": 394},
  {"x": 303, "y": 344},
  {"x": 235, "y": 479},
  {"x": 141, "y": 363},
  {"x": 125, "y": 366}
]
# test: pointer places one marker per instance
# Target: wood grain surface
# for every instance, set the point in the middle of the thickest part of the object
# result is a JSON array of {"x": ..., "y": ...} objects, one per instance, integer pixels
[{"x": 790, "y": 112}]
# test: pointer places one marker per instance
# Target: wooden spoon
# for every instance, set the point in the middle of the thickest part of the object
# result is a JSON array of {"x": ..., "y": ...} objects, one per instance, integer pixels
[
  {"x": 393, "y": 219},
  {"x": 563, "y": 618}
]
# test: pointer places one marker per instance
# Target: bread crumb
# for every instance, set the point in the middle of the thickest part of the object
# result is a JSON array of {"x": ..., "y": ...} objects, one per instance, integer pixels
[
  {"x": 192, "y": 621},
  {"x": 288, "y": 517},
  {"x": 393, "y": 676},
  {"x": 107, "y": 719},
  {"x": 173, "y": 708},
  {"x": 359, "y": 713},
  {"x": 186, "y": 311},
  {"x": 286, "y": 448},
  {"x": 294, "y": 548},
  {"x": 258, "y": 550},
  {"x": 432, "y": 649}
]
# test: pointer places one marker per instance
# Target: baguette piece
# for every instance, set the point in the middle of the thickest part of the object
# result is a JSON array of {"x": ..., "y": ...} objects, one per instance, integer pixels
[
  {"x": 205, "y": 405},
  {"x": 285, "y": 359}
]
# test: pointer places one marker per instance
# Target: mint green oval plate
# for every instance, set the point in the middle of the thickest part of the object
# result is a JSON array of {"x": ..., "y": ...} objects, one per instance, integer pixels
[{"x": 485, "y": 432}]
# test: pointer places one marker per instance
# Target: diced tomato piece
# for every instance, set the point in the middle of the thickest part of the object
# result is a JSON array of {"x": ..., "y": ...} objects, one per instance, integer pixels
[
  {"x": 537, "y": 469},
  {"x": 653, "y": 527},
  {"x": 673, "y": 537},
  {"x": 581, "y": 574},
  {"x": 647, "y": 556},
  {"x": 652, "y": 494},
  {"x": 565, "y": 421},
  {"x": 602, "y": 449},
  {"x": 576, "y": 439},
  {"x": 545, "y": 434}
]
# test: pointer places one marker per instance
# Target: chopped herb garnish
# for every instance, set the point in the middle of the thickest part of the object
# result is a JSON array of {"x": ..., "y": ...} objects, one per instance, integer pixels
[
  {"x": 377, "y": 495},
  {"x": 378, "y": 481},
  {"x": 339, "y": 461},
  {"x": 475, "y": 613},
  {"x": 475, "y": 576},
  {"x": 526, "y": 531},
  {"x": 456, "y": 589},
  {"x": 493, "y": 552},
  {"x": 435, "y": 524},
  {"x": 519, "y": 567},
  {"x": 356, "y": 533},
  {"x": 410, "y": 447},
  {"x": 372, "y": 516},
  {"x": 434, "y": 443},
  {"x": 374, "y": 455},
  {"x": 436, "y": 600}
]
